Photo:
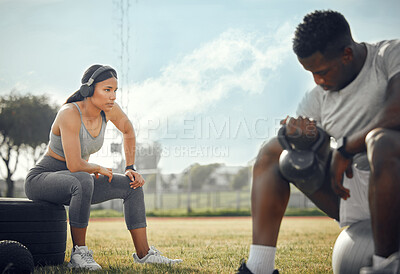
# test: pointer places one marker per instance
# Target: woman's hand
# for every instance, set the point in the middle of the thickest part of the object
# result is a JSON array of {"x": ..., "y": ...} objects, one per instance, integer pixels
[
  {"x": 136, "y": 178},
  {"x": 339, "y": 166},
  {"x": 106, "y": 172}
]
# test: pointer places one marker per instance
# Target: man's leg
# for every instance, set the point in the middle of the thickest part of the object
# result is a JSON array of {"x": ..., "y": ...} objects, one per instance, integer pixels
[
  {"x": 383, "y": 148},
  {"x": 270, "y": 196}
]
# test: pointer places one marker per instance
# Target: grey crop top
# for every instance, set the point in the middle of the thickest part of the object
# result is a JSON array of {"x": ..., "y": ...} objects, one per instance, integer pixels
[{"x": 89, "y": 144}]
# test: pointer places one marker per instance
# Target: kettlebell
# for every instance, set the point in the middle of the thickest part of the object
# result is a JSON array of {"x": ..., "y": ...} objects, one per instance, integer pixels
[{"x": 302, "y": 167}]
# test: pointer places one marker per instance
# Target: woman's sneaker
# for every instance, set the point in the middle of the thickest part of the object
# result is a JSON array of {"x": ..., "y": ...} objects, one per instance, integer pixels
[
  {"x": 154, "y": 257},
  {"x": 82, "y": 257}
]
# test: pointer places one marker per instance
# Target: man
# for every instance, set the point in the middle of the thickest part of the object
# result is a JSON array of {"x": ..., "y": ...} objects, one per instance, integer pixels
[{"x": 356, "y": 101}]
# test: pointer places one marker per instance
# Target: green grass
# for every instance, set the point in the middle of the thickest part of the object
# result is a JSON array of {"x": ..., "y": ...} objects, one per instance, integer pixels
[
  {"x": 212, "y": 200},
  {"x": 208, "y": 245},
  {"x": 104, "y": 213}
]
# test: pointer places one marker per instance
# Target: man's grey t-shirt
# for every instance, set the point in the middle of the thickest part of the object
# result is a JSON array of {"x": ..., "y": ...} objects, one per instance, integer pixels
[{"x": 349, "y": 110}]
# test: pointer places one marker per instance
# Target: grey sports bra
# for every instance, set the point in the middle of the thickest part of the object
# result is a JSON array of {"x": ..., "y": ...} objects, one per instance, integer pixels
[{"x": 89, "y": 144}]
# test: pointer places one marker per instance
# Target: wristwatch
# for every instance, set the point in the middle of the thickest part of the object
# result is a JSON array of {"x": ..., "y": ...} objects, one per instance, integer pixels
[
  {"x": 130, "y": 167},
  {"x": 341, "y": 147}
]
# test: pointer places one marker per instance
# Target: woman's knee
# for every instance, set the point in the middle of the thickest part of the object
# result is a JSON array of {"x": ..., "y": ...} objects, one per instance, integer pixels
[
  {"x": 84, "y": 183},
  {"x": 123, "y": 188},
  {"x": 136, "y": 194}
]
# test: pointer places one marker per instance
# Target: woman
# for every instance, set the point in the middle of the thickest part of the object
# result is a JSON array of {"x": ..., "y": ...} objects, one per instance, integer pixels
[{"x": 64, "y": 175}]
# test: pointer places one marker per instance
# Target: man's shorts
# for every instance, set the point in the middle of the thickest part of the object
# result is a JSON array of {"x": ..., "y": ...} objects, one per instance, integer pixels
[{"x": 355, "y": 208}]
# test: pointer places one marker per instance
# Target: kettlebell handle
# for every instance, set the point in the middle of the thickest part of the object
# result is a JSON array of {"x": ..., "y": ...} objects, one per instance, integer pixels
[{"x": 282, "y": 138}]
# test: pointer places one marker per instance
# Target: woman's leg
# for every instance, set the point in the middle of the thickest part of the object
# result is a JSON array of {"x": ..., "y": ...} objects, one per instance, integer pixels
[
  {"x": 139, "y": 237},
  {"x": 135, "y": 215},
  {"x": 78, "y": 236},
  {"x": 134, "y": 208}
]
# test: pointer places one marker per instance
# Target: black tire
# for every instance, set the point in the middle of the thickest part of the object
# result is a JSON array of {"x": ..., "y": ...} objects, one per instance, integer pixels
[
  {"x": 40, "y": 226},
  {"x": 15, "y": 258}
]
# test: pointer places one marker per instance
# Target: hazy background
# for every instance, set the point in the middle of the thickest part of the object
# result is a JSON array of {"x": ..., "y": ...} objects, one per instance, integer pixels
[{"x": 208, "y": 80}]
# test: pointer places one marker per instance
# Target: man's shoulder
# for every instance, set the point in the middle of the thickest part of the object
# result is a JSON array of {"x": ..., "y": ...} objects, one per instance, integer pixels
[
  {"x": 381, "y": 43},
  {"x": 384, "y": 56},
  {"x": 383, "y": 46}
]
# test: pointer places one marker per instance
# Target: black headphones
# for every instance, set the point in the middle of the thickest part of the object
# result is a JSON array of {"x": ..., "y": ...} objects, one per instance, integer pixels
[
  {"x": 87, "y": 89},
  {"x": 302, "y": 167}
]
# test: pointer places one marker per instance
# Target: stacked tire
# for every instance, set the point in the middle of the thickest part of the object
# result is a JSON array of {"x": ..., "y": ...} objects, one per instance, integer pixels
[{"x": 40, "y": 226}]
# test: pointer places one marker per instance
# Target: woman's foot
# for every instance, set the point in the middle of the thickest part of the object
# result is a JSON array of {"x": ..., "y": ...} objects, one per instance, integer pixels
[
  {"x": 154, "y": 257},
  {"x": 82, "y": 257}
]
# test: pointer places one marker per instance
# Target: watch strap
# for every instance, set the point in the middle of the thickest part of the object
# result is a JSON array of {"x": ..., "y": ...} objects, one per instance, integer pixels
[
  {"x": 130, "y": 167},
  {"x": 342, "y": 149}
]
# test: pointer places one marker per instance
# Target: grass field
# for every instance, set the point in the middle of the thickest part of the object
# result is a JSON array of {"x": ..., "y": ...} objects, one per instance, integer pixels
[{"x": 209, "y": 245}]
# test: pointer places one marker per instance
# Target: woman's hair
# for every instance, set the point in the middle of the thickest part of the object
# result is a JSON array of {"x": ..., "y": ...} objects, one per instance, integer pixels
[
  {"x": 325, "y": 31},
  {"x": 76, "y": 96}
]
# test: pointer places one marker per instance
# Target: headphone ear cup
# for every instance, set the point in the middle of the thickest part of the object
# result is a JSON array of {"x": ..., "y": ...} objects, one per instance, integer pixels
[{"x": 85, "y": 90}]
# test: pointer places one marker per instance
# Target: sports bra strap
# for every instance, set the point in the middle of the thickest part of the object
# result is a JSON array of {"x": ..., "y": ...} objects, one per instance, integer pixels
[{"x": 80, "y": 113}]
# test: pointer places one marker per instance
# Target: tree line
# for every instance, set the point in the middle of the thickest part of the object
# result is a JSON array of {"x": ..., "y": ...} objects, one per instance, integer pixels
[
  {"x": 201, "y": 177},
  {"x": 25, "y": 122}
]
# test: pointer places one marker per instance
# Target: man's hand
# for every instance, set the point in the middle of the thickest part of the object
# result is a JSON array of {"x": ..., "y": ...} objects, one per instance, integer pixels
[
  {"x": 301, "y": 131},
  {"x": 340, "y": 166}
]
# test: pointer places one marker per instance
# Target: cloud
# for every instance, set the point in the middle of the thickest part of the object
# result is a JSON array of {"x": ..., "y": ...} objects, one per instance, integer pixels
[{"x": 234, "y": 61}]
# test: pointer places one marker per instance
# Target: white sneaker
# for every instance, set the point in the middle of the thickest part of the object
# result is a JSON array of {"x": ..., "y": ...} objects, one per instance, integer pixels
[
  {"x": 82, "y": 257},
  {"x": 391, "y": 265},
  {"x": 154, "y": 257}
]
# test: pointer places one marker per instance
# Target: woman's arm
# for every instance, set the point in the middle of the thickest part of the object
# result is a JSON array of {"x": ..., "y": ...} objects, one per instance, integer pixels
[
  {"x": 124, "y": 125},
  {"x": 69, "y": 123},
  {"x": 121, "y": 121}
]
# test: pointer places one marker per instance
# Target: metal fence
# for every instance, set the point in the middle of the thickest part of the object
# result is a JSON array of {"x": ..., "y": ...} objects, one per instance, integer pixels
[
  {"x": 179, "y": 199},
  {"x": 209, "y": 200}
]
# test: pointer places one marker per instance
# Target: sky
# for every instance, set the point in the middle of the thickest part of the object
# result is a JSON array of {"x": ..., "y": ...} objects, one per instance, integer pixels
[{"x": 207, "y": 79}]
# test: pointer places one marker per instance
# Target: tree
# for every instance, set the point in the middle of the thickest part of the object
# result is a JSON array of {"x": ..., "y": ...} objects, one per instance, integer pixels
[
  {"x": 25, "y": 122},
  {"x": 200, "y": 175},
  {"x": 241, "y": 179}
]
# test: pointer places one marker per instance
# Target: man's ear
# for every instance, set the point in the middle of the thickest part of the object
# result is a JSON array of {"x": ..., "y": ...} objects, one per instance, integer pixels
[{"x": 347, "y": 56}]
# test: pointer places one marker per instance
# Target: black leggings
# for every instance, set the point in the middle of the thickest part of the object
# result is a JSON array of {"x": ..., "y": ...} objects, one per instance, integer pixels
[{"x": 51, "y": 181}]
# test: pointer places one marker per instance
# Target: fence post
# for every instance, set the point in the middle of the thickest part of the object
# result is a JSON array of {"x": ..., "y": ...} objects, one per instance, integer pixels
[
  {"x": 238, "y": 199},
  {"x": 157, "y": 201},
  {"x": 189, "y": 208}
]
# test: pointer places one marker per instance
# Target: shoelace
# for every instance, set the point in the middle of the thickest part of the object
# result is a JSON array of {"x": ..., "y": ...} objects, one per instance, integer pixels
[
  {"x": 158, "y": 255},
  {"x": 88, "y": 256},
  {"x": 156, "y": 251}
]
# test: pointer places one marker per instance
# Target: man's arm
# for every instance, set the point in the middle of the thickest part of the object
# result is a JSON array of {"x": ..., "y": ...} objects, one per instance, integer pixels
[{"x": 388, "y": 117}]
